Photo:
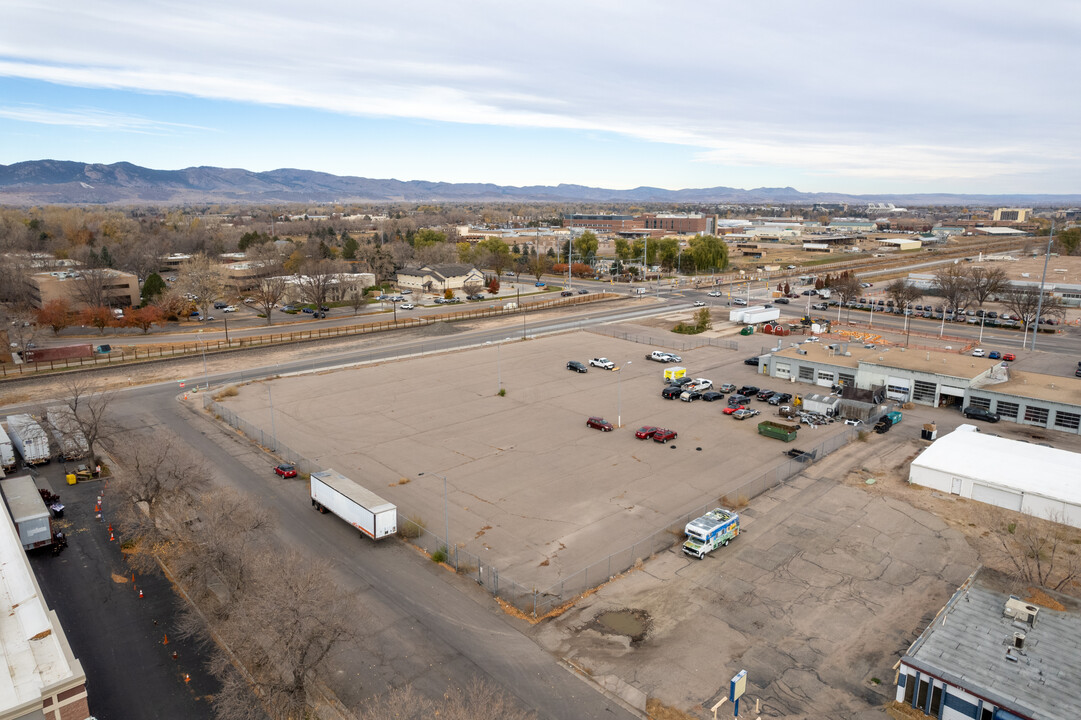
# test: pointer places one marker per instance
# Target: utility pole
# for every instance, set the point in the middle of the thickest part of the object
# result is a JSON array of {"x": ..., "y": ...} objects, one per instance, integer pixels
[{"x": 1043, "y": 280}]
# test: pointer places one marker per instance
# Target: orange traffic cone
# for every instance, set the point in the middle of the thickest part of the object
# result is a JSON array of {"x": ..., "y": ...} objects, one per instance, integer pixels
[
  {"x": 110, "y": 527},
  {"x": 140, "y": 594},
  {"x": 111, "y": 538},
  {"x": 133, "y": 579},
  {"x": 187, "y": 678},
  {"x": 165, "y": 641}
]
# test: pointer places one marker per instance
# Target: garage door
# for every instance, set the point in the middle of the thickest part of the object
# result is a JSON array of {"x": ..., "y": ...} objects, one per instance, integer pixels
[
  {"x": 898, "y": 388},
  {"x": 954, "y": 391},
  {"x": 782, "y": 370},
  {"x": 996, "y": 496}
]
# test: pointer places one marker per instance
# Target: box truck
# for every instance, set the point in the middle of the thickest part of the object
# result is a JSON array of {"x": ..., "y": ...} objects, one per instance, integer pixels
[
  {"x": 67, "y": 432},
  {"x": 29, "y": 439},
  {"x": 33, "y": 521},
  {"x": 7, "y": 451},
  {"x": 372, "y": 515}
]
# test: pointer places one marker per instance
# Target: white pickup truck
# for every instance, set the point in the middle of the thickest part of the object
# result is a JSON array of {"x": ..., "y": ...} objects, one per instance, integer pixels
[
  {"x": 664, "y": 357},
  {"x": 602, "y": 363}
]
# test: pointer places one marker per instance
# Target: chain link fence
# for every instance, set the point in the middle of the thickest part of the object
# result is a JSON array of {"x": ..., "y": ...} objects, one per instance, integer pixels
[{"x": 527, "y": 598}]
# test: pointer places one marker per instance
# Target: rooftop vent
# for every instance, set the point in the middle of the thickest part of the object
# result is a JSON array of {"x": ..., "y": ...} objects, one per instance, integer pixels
[
  {"x": 1019, "y": 640},
  {"x": 1020, "y": 610}
]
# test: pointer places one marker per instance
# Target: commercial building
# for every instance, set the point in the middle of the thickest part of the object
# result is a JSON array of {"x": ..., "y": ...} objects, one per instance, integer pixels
[
  {"x": 936, "y": 379},
  {"x": 604, "y": 223},
  {"x": 439, "y": 278},
  {"x": 82, "y": 288},
  {"x": 43, "y": 679},
  {"x": 1011, "y": 474},
  {"x": 991, "y": 655},
  {"x": 680, "y": 223},
  {"x": 1011, "y": 214}
]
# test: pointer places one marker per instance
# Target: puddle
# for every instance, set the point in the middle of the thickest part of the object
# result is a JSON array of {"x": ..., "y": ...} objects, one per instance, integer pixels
[{"x": 634, "y": 624}]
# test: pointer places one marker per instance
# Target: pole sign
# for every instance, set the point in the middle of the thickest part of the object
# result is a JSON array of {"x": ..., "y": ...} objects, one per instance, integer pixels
[{"x": 736, "y": 689}]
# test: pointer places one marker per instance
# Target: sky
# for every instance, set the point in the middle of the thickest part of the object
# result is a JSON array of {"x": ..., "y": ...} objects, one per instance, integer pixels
[{"x": 826, "y": 96}]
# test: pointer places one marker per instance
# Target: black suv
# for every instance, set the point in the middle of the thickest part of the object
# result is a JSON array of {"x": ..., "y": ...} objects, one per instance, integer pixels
[
  {"x": 671, "y": 392},
  {"x": 978, "y": 413},
  {"x": 738, "y": 399},
  {"x": 765, "y": 394}
]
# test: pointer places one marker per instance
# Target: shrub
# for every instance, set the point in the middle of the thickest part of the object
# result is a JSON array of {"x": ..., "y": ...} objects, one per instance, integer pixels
[
  {"x": 410, "y": 528},
  {"x": 440, "y": 555}
]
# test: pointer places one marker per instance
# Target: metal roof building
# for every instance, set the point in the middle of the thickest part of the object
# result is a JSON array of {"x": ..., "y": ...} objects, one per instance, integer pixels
[
  {"x": 989, "y": 654},
  {"x": 1011, "y": 474}
]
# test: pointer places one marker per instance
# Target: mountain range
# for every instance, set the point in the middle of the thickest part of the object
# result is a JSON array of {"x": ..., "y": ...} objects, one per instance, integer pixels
[{"x": 61, "y": 182}]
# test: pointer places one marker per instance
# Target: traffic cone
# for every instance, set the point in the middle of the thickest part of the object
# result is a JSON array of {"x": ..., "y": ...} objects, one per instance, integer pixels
[
  {"x": 111, "y": 538},
  {"x": 110, "y": 527},
  {"x": 165, "y": 641},
  {"x": 140, "y": 594},
  {"x": 175, "y": 656},
  {"x": 187, "y": 678},
  {"x": 133, "y": 579}
]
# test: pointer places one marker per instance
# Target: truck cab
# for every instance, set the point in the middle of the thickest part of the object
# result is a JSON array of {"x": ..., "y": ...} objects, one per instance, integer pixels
[{"x": 713, "y": 530}]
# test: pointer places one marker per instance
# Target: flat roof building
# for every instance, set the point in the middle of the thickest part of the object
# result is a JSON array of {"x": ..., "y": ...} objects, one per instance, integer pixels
[
  {"x": 43, "y": 679},
  {"x": 991, "y": 654}
]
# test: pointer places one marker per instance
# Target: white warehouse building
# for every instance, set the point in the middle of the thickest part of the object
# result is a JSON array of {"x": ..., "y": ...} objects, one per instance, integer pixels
[{"x": 1011, "y": 474}]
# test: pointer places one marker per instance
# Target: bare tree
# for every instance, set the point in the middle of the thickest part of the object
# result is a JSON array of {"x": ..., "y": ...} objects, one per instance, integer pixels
[
  {"x": 89, "y": 286},
  {"x": 162, "y": 481},
  {"x": 354, "y": 295},
  {"x": 1035, "y": 550},
  {"x": 89, "y": 406},
  {"x": 283, "y": 630},
  {"x": 952, "y": 283},
  {"x": 268, "y": 293},
  {"x": 315, "y": 278},
  {"x": 437, "y": 254},
  {"x": 986, "y": 282},
  {"x": 472, "y": 288},
  {"x": 221, "y": 545},
  {"x": 1024, "y": 303},
  {"x": 204, "y": 278},
  {"x": 902, "y": 293}
]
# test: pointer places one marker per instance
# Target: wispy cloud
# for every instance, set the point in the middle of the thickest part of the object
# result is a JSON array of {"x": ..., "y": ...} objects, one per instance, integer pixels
[
  {"x": 93, "y": 118},
  {"x": 914, "y": 89}
]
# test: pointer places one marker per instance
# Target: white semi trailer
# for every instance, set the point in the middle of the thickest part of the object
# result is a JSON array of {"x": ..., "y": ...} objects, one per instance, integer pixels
[
  {"x": 33, "y": 521},
  {"x": 67, "y": 432},
  {"x": 7, "y": 451},
  {"x": 29, "y": 439},
  {"x": 372, "y": 515}
]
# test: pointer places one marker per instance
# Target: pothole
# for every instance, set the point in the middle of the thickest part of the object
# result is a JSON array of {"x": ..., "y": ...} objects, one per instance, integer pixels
[{"x": 634, "y": 624}]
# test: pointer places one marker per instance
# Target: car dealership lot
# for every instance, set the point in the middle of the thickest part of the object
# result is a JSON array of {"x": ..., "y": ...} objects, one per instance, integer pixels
[{"x": 530, "y": 489}]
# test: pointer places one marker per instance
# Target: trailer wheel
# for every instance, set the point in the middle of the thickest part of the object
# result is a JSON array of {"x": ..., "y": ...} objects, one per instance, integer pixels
[{"x": 725, "y": 543}]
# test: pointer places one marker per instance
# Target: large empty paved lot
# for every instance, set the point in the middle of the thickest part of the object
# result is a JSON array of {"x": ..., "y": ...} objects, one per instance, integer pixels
[{"x": 532, "y": 491}]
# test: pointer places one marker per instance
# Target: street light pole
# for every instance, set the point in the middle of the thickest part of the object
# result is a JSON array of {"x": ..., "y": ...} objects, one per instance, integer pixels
[
  {"x": 206, "y": 378},
  {"x": 273, "y": 428},
  {"x": 446, "y": 523},
  {"x": 619, "y": 395},
  {"x": 1043, "y": 280},
  {"x": 499, "y": 367}
]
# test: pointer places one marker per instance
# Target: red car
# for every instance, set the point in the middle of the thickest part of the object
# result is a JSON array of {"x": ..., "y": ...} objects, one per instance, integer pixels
[
  {"x": 599, "y": 423},
  {"x": 645, "y": 432},
  {"x": 732, "y": 410},
  {"x": 286, "y": 471},
  {"x": 663, "y": 436},
  {"x": 1009, "y": 356}
]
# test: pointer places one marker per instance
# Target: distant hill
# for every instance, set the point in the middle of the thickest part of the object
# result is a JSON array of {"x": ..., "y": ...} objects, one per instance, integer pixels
[{"x": 60, "y": 182}]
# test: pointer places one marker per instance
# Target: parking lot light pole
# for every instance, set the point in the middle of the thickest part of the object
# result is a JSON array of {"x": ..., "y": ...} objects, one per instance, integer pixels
[
  {"x": 619, "y": 395},
  {"x": 446, "y": 523}
]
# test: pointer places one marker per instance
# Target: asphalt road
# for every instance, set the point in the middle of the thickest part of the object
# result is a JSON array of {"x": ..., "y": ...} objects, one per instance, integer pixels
[
  {"x": 116, "y": 635},
  {"x": 420, "y": 623}
]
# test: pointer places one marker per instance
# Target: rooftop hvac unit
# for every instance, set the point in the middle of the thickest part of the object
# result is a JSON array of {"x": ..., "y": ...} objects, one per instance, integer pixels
[{"x": 1020, "y": 610}]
